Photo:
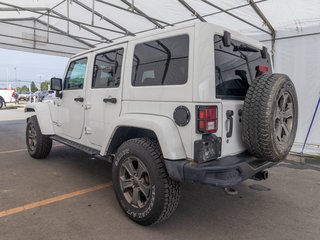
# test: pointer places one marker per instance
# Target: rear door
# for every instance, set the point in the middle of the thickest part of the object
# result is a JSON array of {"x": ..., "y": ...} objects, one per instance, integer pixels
[
  {"x": 234, "y": 72},
  {"x": 103, "y": 103}
]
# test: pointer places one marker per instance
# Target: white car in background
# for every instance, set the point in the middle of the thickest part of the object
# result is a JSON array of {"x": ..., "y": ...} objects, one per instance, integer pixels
[
  {"x": 50, "y": 95},
  {"x": 6, "y": 96}
]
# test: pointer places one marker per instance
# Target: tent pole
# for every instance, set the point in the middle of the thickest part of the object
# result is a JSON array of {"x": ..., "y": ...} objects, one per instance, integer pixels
[
  {"x": 226, "y": 11},
  {"x": 269, "y": 25},
  {"x": 102, "y": 16},
  {"x": 314, "y": 116},
  {"x": 34, "y": 33},
  {"x": 193, "y": 11},
  {"x": 134, "y": 8}
]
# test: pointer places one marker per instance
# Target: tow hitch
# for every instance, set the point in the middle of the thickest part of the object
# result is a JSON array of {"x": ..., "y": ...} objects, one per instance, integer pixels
[{"x": 263, "y": 175}]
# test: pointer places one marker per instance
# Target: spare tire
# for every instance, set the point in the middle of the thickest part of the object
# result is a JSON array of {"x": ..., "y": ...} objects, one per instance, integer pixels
[{"x": 270, "y": 117}]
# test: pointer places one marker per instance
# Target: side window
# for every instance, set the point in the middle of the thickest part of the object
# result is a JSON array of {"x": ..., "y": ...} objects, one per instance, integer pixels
[
  {"x": 161, "y": 62},
  {"x": 107, "y": 69},
  {"x": 76, "y": 74}
]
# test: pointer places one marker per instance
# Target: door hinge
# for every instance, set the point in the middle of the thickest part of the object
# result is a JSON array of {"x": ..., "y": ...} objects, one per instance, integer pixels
[
  {"x": 58, "y": 124},
  {"x": 88, "y": 130}
]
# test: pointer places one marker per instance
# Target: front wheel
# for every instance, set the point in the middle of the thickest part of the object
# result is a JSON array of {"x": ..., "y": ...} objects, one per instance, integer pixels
[
  {"x": 142, "y": 186},
  {"x": 38, "y": 145}
]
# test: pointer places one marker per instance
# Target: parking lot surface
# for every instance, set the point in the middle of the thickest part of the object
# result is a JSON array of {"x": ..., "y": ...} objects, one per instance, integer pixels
[{"x": 70, "y": 196}]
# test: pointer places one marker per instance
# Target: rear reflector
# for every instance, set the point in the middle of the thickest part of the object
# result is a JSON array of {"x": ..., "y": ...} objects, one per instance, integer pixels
[{"x": 207, "y": 119}]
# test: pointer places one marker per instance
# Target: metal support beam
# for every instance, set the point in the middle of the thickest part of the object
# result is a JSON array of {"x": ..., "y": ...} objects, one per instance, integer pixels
[
  {"x": 93, "y": 7},
  {"x": 187, "y": 20},
  {"x": 64, "y": 33},
  {"x": 48, "y": 22},
  {"x": 68, "y": 15},
  {"x": 82, "y": 26},
  {"x": 136, "y": 13},
  {"x": 235, "y": 16},
  {"x": 103, "y": 17},
  {"x": 61, "y": 32},
  {"x": 18, "y": 8},
  {"x": 57, "y": 5},
  {"x": 194, "y": 12},
  {"x": 34, "y": 33},
  {"x": 40, "y": 49},
  {"x": 134, "y": 8},
  {"x": 49, "y": 43},
  {"x": 267, "y": 23}
]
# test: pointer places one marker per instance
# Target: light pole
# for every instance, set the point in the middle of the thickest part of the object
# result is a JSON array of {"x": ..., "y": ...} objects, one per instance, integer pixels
[
  {"x": 40, "y": 76},
  {"x": 15, "y": 77}
]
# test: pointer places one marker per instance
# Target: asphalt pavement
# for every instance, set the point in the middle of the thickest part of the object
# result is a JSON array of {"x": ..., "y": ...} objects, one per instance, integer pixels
[{"x": 69, "y": 196}]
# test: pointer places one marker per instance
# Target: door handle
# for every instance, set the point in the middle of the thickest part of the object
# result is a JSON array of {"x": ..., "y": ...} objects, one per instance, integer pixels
[
  {"x": 229, "y": 114},
  {"x": 110, "y": 100},
  {"x": 79, "y": 99}
]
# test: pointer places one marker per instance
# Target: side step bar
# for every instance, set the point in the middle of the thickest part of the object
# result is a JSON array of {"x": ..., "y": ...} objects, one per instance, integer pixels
[{"x": 93, "y": 152}]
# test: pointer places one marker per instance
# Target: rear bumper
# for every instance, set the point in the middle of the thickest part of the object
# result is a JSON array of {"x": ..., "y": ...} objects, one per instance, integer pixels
[{"x": 223, "y": 172}]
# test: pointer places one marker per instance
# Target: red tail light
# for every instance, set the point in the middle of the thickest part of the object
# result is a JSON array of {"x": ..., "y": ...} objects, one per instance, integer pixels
[
  {"x": 207, "y": 121},
  {"x": 12, "y": 95},
  {"x": 262, "y": 68}
]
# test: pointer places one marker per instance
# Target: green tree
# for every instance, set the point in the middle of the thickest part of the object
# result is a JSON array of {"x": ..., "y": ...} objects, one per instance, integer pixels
[
  {"x": 33, "y": 87},
  {"x": 44, "y": 85},
  {"x": 22, "y": 89}
]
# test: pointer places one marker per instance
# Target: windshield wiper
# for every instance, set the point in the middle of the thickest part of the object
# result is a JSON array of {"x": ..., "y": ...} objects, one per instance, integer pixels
[{"x": 244, "y": 48}]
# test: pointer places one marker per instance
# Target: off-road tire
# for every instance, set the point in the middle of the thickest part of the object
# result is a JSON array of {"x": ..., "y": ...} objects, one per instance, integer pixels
[
  {"x": 263, "y": 121},
  {"x": 164, "y": 192},
  {"x": 43, "y": 144}
]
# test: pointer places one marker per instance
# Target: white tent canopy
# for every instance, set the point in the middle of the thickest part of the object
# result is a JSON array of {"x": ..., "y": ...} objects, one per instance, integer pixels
[{"x": 66, "y": 27}]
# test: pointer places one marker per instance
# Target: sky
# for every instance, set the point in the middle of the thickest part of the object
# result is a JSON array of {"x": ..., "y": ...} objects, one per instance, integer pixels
[{"x": 29, "y": 67}]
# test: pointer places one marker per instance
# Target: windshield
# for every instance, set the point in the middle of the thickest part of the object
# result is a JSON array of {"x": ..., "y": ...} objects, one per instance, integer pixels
[{"x": 236, "y": 67}]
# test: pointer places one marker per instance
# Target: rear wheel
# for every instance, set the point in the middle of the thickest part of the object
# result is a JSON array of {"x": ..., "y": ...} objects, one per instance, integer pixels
[
  {"x": 270, "y": 117},
  {"x": 38, "y": 145},
  {"x": 143, "y": 188}
]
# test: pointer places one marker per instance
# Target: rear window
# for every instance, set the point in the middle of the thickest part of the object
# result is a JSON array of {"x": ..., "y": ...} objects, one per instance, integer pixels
[
  {"x": 161, "y": 62},
  {"x": 236, "y": 69}
]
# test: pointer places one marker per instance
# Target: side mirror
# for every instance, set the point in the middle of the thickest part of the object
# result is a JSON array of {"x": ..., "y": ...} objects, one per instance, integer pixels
[
  {"x": 226, "y": 39},
  {"x": 264, "y": 52},
  {"x": 56, "y": 85}
]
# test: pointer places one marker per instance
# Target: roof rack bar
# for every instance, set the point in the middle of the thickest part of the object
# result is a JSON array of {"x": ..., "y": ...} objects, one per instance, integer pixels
[
  {"x": 192, "y": 10},
  {"x": 103, "y": 17},
  {"x": 235, "y": 16},
  {"x": 82, "y": 26},
  {"x": 141, "y": 13}
]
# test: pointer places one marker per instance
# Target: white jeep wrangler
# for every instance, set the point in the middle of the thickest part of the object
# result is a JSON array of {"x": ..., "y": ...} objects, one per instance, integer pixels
[{"x": 192, "y": 103}]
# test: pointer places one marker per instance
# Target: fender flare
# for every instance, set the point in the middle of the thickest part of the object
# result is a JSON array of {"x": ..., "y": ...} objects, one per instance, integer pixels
[
  {"x": 42, "y": 111},
  {"x": 166, "y": 131}
]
